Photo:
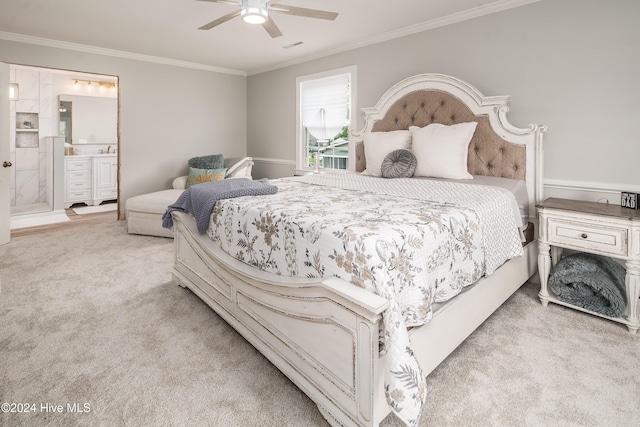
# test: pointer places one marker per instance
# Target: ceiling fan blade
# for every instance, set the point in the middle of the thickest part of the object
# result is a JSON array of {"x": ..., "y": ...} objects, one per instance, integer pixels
[
  {"x": 220, "y": 20},
  {"x": 302, "y": 11},
  {"x": 236, "y": 2},
  {"x": 272, "y": 28}
]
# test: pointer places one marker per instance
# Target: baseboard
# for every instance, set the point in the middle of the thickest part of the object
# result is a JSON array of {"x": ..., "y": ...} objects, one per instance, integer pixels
[{"x": 33, "y": 220}]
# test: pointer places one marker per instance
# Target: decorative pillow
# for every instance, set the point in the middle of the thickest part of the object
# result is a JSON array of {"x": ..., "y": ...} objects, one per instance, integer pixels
[
  {"x": 441, "y": 150},
  {"x": 378, "y": 144},
  {"x": 214, "y": 161},
  {"x": 198, "y": 176},
  {"x": 399, "y": 164}
]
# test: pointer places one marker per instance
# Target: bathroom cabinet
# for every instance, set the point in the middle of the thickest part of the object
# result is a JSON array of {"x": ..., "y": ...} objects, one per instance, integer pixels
[
  {"x": 77, "y": 179},
  {"x": 90, "y": 179},
  {"x": 105, "y": 178}
]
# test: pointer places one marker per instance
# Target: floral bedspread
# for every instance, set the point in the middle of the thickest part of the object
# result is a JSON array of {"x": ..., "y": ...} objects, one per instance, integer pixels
[{"x": 411, "y": 241}]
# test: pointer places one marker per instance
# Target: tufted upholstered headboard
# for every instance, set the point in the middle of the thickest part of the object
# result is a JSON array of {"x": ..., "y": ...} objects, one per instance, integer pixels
[{"x": 496, "y": 149}]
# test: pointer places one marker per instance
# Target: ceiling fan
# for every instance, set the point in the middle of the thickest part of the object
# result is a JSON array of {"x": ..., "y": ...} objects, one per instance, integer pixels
[{"x": 258, "y": 12}]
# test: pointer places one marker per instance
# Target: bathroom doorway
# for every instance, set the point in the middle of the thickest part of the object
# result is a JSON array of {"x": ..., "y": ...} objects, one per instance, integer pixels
[{"x": 57, "y": 115}]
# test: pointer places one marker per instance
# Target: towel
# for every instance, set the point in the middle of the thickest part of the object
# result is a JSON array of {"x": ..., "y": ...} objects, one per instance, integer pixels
[
  {"x": 199, "y": 199},
  {"x": 594, "y": 282}
]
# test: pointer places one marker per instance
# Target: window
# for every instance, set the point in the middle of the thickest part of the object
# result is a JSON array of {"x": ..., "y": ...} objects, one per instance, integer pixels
[{"x": 324, "y": 114}]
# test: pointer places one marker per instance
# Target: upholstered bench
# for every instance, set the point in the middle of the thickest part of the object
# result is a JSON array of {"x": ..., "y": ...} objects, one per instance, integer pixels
[{"x": 144, "y": 212}]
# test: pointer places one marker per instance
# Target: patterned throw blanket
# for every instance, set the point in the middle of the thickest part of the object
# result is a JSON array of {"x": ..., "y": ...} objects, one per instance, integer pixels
[
  {"x": 411, "y": 241},
  {"x": 200, "y": 199}
]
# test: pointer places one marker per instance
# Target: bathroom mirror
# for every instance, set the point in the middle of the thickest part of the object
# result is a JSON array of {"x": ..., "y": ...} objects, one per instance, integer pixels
[{"x": 88, "y": 119}]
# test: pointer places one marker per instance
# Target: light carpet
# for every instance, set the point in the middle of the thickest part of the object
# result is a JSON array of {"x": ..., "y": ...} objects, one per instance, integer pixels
[
  {"x": 89, "y": 315},
  {"x": 108, "y": 207}
]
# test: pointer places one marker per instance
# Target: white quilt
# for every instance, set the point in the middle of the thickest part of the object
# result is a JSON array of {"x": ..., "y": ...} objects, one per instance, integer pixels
[{"x": 412, "y": 241}]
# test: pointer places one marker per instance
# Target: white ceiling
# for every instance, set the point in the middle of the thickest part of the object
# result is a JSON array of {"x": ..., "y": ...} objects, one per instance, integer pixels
[{"x": 168, "y": 29}]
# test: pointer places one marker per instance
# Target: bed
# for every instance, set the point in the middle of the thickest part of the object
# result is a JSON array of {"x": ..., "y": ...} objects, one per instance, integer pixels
[{"x": 356, "y": 350}]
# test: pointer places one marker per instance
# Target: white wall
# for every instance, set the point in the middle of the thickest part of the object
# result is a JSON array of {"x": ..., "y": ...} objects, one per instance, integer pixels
[
  {"x": 168, "y": 114},
  {"x": 570, "y": 64}
]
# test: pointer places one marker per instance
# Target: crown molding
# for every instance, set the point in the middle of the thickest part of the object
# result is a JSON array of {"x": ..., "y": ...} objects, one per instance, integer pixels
[
  {"x": 497, "y": 6},
  {"x": 20, "y": 38}
]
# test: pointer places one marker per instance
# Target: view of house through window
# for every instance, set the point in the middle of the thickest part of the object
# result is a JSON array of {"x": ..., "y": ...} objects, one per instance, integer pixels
[{"x": 325, "y": 104}]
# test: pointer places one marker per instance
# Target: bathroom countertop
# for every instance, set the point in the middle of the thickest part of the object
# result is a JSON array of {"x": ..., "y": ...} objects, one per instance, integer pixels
[{"x": 91, "y": 155}]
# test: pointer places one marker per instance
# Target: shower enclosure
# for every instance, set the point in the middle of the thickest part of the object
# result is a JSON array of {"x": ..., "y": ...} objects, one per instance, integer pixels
[{"x": 35, "y": 150}]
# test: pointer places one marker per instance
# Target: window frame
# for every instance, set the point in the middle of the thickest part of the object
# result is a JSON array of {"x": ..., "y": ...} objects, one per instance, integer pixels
[{"x": 301, "y": 168}]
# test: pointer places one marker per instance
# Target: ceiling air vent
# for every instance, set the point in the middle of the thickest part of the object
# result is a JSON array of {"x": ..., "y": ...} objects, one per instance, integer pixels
[{"x": 293, "y": 45}]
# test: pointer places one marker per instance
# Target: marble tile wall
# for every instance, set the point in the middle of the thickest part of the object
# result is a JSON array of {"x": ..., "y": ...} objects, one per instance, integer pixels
[
  {"x": 27, "y": 139},
  {"x": 29, "y": 180},
  {"x": 46, "y": 120}
]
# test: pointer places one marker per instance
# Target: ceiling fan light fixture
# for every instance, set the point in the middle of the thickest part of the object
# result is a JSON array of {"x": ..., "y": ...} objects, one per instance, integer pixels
[{"x": 254, "y": 11}]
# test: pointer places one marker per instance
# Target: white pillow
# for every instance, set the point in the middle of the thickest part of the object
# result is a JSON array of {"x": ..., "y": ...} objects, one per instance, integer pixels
[
  {"x": 378, "y": 144},
  {"x": 441, "y": 150}
]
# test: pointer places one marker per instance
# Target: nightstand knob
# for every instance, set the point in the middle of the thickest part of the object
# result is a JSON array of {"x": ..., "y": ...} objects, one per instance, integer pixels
[{"x": 584, "y": 235}]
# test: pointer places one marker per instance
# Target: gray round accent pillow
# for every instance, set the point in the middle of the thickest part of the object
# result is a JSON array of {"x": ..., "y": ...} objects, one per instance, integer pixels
[{"x": 399, "y": 164}]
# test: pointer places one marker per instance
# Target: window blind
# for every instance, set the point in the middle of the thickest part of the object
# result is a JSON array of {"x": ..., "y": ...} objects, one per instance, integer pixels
[{"x": 324, "y": 104}]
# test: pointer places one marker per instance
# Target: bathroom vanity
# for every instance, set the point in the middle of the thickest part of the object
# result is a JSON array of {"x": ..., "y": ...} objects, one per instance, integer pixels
[{"x": 90, "y": 178}]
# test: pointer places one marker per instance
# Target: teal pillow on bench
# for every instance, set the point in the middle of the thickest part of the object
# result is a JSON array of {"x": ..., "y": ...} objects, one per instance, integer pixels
[{"x": 214, "y": 161}]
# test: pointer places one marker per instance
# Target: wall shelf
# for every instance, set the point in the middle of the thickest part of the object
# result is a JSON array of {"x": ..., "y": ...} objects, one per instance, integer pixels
[{"x": 27, "y": 130}]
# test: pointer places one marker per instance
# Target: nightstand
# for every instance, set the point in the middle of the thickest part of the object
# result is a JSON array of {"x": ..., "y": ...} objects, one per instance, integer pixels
[{"x": 596, "y": 228}]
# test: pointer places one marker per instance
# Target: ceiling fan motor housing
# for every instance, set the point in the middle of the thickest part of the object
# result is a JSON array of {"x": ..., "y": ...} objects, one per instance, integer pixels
[{"x": 254, "y": 11}]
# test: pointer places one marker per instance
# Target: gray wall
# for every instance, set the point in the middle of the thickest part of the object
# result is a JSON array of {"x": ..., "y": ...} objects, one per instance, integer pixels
[
  {"x": 168, "y": 114},
  {"x": 570, "y": 64}
]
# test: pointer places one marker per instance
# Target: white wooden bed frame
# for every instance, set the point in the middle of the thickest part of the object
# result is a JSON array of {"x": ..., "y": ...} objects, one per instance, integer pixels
[{"x": 324, "y": 334}]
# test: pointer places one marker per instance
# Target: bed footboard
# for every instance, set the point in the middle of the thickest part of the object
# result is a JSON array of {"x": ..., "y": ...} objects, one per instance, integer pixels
[{"x": 322, "y": 335}]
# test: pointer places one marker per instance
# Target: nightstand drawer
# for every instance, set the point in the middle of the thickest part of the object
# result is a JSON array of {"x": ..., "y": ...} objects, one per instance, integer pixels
[{"x": 588, "y": 236}]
